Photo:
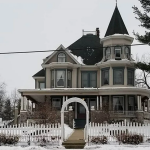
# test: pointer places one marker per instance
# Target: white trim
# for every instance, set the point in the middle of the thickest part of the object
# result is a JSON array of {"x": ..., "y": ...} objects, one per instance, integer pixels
[
  {"x": 38, "y": 77},
  {"x": 67, "y": 102},
  {"x": 59, "y": 48}
]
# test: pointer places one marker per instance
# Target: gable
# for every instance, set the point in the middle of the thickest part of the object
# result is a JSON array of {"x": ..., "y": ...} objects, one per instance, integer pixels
[{"x": 55, "y": 58}]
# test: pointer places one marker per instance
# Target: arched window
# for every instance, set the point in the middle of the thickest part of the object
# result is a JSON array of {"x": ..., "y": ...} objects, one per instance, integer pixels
[
  {"x": 127, "y": 52},
  {"x": 61, "y": 57}
]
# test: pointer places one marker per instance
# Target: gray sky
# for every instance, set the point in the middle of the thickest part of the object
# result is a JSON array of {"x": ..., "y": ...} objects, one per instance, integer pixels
[{"x": 45, "y": 24}]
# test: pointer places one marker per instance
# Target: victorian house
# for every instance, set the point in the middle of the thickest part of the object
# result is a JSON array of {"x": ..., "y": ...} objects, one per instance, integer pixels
[{"x": 104, "y": 74}]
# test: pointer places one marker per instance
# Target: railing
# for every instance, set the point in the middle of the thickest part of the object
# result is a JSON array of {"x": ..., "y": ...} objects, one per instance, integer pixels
[{"x": 123, "y": 113}]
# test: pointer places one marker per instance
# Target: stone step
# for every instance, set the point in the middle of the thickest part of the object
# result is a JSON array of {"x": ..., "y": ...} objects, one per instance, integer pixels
[{"x": 74, "y": 144}]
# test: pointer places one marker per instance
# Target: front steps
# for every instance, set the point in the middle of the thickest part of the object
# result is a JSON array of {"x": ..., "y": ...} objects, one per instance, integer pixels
[{"x": 76, "y": 140}]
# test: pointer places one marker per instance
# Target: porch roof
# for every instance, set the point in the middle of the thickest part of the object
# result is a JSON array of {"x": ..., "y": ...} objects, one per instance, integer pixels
[{"x": 87, "y": 91}]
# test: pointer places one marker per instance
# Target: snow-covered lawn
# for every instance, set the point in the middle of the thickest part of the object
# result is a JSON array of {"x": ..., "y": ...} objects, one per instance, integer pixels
[{"x": 101, "y": 147}]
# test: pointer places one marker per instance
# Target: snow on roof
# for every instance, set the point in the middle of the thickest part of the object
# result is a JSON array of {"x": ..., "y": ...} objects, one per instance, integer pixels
[{"x": 79, "y": 58}]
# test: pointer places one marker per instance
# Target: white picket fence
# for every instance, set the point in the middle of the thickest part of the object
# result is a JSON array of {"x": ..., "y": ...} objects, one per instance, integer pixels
[
  {"x": 111, "y": 130},
  {"x": 33, "y": 132}
]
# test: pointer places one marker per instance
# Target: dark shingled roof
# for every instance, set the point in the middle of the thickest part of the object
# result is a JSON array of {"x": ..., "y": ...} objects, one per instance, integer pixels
[
  {"x": 116, "y": 25},
  {"x": 41, "y": 73},
  {"x": 92, "y": 56}
]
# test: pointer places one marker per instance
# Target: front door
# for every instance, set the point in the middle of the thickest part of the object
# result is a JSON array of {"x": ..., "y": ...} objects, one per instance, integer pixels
[{"x": 81, "y": 111}]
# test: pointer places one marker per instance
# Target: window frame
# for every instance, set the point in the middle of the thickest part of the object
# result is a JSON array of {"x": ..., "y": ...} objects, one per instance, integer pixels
[
  {"x": 40, "y": 83},
  {"x": 131, "y": 96},
  {"x": 61, "y": 57},
  {"x": 107, "y": 48},
  {"x": 133, "y": 76},
  {"x": 115, "y": 69},
  {"x": 88, "y": 80},
  {"x": 54, "y": 72},
  {"x": 56, "y": 99},
  {"x": 127, "y": 53},
  {"x": 117, "y": 105},
  {"x": 102, "y": 75},
  {"x": 117, "y": 48}
]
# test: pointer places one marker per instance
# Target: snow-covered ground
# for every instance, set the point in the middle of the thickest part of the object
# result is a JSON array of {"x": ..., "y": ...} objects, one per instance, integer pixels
[{"x": 101, "y": 147}]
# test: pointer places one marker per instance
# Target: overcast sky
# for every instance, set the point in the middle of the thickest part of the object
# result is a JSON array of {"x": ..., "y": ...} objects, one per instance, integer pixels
[{"x": 29, "y": 25}]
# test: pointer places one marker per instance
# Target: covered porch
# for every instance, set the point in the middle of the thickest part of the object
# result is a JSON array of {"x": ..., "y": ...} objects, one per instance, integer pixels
[{"x": 122, "y": 103}]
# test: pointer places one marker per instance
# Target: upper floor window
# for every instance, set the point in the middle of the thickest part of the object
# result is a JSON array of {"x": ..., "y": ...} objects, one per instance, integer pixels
[
  {"x": 127, "y": 52},
  {"x": 61, "y": 78},
  {"x": 41, "y": 85},
  {"x": 130, "y": 77},
  {"x": 61, "y": 57},
  {"x": 89, "y": 79},
  {"x": 118, "y": 75},
  {"x": 107, "y": 52},
  {"x": 117, "y": 52},
  {"x": 105, "y": 76}
]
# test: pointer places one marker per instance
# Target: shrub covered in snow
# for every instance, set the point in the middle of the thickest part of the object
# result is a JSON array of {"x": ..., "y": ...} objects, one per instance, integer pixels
[
  {"x": 7, "y": 140},
  {"x": 99, "y": 140},
  {"x": 130, "y": 138}
]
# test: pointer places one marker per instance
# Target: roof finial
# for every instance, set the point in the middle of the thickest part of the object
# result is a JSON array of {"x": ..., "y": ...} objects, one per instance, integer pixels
[{"x": 116, "y": 2}]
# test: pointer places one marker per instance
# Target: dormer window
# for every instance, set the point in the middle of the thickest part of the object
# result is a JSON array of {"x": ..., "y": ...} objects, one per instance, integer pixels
[
  {"x": 117, "y": 52},
  {"x": 107, "y": 52},
  {"x": 61, "y": 57},
  {"x": 127, "y": 52}
]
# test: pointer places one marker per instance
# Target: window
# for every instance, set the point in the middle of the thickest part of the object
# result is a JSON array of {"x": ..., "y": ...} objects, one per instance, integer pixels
[
  {"x": 105, "y": 76},
  {"x": 52, "y": 78},
  {"x": 42, "y": 85},
  {"x": 118, "y": 76},
  {"x": 61, "y": 78},
  {"x": 89, "y": 79},
  {"x": 130, "y": 103},
  {"x": 127, "y": 52},
  {"x": 117, "y": 52},
  {"x": 69, "y": 79},
  {"x": 118, "y": 104},
  {"x": 107, "y": 53},
  {"x": 56, "y": 102},
  {"x": 93, "y": 103},
  {"x": 130, "y": 77},
  {"x": 61, "y": 57}
]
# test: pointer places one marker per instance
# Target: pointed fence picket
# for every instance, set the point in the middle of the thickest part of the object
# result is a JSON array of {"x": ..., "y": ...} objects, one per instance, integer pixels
[
  {"x": 112, "y": 130},
  {"x": 32, "y": 132}
]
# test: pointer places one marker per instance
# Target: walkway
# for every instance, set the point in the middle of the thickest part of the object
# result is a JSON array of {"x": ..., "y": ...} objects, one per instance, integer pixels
[{"x": 76, "y": 140}]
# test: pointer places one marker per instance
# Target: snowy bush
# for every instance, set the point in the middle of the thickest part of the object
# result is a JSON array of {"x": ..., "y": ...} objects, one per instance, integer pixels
[
  {"x": 7, "y": 140},
  {"x": 130, "y": 138},
  {"x": 99, "y": 140}
]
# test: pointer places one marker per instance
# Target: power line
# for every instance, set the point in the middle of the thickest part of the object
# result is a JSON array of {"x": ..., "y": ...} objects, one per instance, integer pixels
[{"x": 25, "y": 52}]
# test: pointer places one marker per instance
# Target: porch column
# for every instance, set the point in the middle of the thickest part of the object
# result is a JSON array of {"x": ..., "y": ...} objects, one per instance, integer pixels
[
  {"x": 97, "y": 103},
  {"x": 101, "y": 103},
  {"x": 143, "y": 106},
  {"x": 148, "y": 105},
  {"x": 27, "y": 104},
  {"x": 22, "y": 102},
  {"x": 66, "y": 100},
  {"x": 140, "y": 102},
  {"x": 32, "y": 107}
]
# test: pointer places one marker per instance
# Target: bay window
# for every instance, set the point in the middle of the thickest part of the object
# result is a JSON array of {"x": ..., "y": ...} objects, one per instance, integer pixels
[
  {"x": 61, "y": 78},
  {"x": 117, "y": 52}
]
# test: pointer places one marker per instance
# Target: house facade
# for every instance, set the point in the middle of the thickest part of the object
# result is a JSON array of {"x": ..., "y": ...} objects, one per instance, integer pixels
[{"x": 100, "y": 71}]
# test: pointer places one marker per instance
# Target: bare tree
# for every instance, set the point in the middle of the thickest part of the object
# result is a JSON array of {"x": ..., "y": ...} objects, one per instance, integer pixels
[
  {"x": 45, "y": 113},
  {"x": 143, "y": 72}
]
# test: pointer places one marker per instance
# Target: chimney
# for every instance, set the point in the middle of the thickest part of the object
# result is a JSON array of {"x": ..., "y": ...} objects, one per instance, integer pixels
[{"x": 97, "y": 32}]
